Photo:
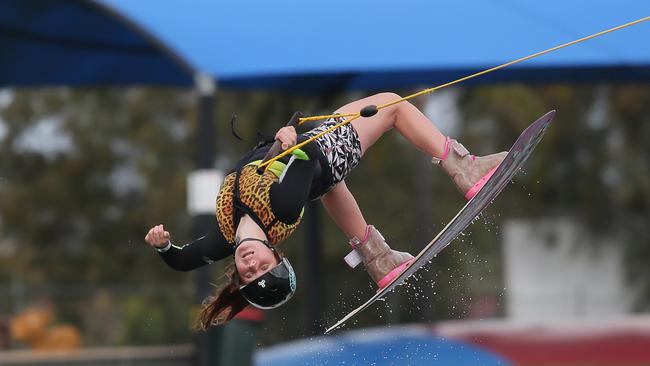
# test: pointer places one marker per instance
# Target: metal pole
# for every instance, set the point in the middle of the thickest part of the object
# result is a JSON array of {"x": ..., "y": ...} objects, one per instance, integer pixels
[
  {"x": 313, "y": 255},
  {"x": 203, "y": 223}
]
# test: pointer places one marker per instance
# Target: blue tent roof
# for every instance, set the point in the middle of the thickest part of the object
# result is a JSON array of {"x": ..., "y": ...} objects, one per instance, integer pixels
[
  {"x": 315, "y": 45},
  {"x": 381, "y": 346}
]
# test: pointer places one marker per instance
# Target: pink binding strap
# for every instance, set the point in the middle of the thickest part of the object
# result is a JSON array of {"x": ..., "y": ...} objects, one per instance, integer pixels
[
  {"x": 362, "y": 241},
  {"x": 477, "y": 187},
  {"x": 394, "y": 273},
  {"x": 444, "y": 154}
]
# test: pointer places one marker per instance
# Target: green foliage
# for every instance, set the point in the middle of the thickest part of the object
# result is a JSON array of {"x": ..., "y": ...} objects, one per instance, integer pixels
[
  {"x": 88, "y": 205},
  {"x": 76, "y": 215}
]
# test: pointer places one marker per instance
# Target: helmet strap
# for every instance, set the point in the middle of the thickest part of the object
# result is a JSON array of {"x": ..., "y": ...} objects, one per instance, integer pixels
[{"x": 238, "y": 242}]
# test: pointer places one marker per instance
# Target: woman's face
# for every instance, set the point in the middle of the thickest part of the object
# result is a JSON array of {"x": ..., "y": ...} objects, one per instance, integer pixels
[{"x": 252, "y": 260}]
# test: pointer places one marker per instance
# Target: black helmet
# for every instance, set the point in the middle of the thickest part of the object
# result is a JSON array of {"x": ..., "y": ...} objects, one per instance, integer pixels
[{"x": 274, "y": 287}]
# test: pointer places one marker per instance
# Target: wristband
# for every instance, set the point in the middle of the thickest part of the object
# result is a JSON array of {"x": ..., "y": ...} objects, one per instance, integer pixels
[{"x": 165, "y": 248}]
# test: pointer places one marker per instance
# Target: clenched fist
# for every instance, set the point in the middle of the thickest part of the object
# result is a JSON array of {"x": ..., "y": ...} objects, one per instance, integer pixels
[
  {"x": 287, "y": 136},
  {"x": 157, "y": 237}
]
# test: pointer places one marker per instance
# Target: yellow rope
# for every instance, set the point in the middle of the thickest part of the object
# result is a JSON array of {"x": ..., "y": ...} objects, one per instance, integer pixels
[
  {"x": 318, "y": 118},
  {"x": 298, "y": 146},
  {"x": 354, "y": 116}
]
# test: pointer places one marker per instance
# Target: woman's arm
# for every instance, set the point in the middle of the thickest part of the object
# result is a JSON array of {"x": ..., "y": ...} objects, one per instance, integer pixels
[
  {"x": 204, "y": 250},
  {"x": 344, "y": 210},
  {"x": 289, "y": 195}
]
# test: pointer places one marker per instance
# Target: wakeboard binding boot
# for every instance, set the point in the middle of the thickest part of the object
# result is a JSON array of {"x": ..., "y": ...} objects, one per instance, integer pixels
[
  {"x": 469, "y": 172},
  {"x": 382, "y": 263}
]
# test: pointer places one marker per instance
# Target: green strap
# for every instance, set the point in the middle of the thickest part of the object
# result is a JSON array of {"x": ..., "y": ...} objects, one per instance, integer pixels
[
  {"x": 277, "y": 167},
  {"x": 299, "y": 154}
]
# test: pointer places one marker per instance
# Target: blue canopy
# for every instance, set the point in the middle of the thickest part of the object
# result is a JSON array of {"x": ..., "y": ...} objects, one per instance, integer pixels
[
  {"x": 414, "y": 345},
  {"x": 315, "y": 46}
]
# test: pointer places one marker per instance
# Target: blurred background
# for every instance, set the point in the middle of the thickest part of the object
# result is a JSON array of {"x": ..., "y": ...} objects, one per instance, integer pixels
[{"x": 116, "y": 116}]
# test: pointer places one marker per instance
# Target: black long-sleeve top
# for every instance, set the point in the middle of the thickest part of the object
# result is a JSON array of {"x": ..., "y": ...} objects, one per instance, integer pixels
[{"x": 303, "y": 180}]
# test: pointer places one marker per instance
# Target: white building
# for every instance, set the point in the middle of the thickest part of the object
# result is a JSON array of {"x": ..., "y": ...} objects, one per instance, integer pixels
[{"x": 555, "y": 270}]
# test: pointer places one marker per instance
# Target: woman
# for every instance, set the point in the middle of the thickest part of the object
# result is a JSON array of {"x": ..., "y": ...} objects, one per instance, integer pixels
[{"x": 256, "y": 212}]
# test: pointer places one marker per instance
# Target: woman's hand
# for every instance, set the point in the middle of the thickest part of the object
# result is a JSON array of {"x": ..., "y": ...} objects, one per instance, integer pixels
[
  {"x": 157, "y": 237},
  {"x": 287, "y": 136}
]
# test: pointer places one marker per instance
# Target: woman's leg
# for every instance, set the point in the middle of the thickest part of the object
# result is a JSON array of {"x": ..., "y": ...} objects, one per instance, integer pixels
[
  {"x": 344, "y": 210},
  {"x": 468, "y": 172},
  {"x": 381, "y": 262},
  {"x": 404, "y": 117}
]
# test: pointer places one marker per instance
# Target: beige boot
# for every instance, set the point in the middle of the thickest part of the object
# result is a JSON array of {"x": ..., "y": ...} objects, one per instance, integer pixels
[
  {"x": 381, "y": 262},
  {"x": 468, "y": 172}
]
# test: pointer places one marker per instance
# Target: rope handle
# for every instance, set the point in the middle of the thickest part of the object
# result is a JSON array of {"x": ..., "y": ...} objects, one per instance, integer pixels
[{"x": 277, "y": 145}]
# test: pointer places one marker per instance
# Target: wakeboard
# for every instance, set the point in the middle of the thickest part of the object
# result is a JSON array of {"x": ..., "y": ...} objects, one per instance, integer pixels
[{"x": 516, "y": 157}]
